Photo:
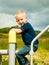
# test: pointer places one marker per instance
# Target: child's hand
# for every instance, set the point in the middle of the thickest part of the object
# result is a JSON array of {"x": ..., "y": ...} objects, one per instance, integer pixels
[
  {"x": 13, "y": 29},
  {"x": 16, "y": 30}
]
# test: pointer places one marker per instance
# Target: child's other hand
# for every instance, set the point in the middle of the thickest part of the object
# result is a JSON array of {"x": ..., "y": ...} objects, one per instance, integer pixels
[{"x": 16, "y": 30}]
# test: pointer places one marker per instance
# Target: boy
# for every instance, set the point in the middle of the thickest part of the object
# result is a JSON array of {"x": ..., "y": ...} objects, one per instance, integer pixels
[{"x": 28, "y": 34}]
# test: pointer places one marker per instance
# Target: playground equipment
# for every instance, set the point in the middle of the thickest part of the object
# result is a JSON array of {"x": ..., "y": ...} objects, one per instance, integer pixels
[
  {"x": 31, "y": 51},
  {"x": 11, "y": 52}
]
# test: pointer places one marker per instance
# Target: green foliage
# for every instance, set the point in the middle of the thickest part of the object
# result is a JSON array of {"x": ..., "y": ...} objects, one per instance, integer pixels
[
  {"x": 41, "y": 54},
  {"x": 3, "y": 43},
  {"x": 3, "y": 35},
  {"x": 5, "y": 62},
  {"x": 6, "y": 30}
]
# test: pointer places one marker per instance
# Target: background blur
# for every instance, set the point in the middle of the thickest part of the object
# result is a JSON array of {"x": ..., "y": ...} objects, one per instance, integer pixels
[
  {"x": 37, "y": 12},
  {"x": 38, "y": 15}
]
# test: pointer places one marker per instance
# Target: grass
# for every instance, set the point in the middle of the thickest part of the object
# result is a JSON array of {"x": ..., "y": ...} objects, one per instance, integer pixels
[{"x": 40, "y": 56}]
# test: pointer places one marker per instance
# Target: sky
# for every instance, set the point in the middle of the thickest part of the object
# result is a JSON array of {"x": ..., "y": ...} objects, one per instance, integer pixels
[{"x": 36, "y": 10}]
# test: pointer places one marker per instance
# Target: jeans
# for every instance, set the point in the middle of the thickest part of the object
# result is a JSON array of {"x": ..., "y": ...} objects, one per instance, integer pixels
[{"x": 21, "y": 54}]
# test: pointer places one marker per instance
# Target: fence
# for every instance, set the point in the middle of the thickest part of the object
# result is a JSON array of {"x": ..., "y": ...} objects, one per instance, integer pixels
[{"x": 11, "y": 52}]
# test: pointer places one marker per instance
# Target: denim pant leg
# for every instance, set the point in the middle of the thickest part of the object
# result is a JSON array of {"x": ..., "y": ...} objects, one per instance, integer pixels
[{"x": 21, "y": 54}]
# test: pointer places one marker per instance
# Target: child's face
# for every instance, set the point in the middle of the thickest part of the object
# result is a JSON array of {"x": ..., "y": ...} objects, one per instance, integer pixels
[{"x": 21, "y": 19}]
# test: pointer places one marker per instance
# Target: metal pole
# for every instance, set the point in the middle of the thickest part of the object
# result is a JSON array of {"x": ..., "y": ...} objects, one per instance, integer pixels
[
  {"x": 31, "y": 51},
  {"x": 12, "y": 41},
  {"x": 0, "y": 59},
  {"x": 31, "y": 57},
  {"x": 3, "y": 52},
  {"x": 12, "y": 54},
  {"x": 31, "y": 62}
]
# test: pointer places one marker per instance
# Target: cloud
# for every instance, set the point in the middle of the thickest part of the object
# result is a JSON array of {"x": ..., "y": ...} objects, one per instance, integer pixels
[
  {"x": 27, "y": 5},
  {"x": 37, "y": 11},
  {"x": 40, "y": 20},
  {"x": 7, "y": 20}
]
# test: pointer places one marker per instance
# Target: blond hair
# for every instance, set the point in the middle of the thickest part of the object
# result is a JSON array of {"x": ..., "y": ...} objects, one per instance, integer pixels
[{"x": 21, "y": 12}]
